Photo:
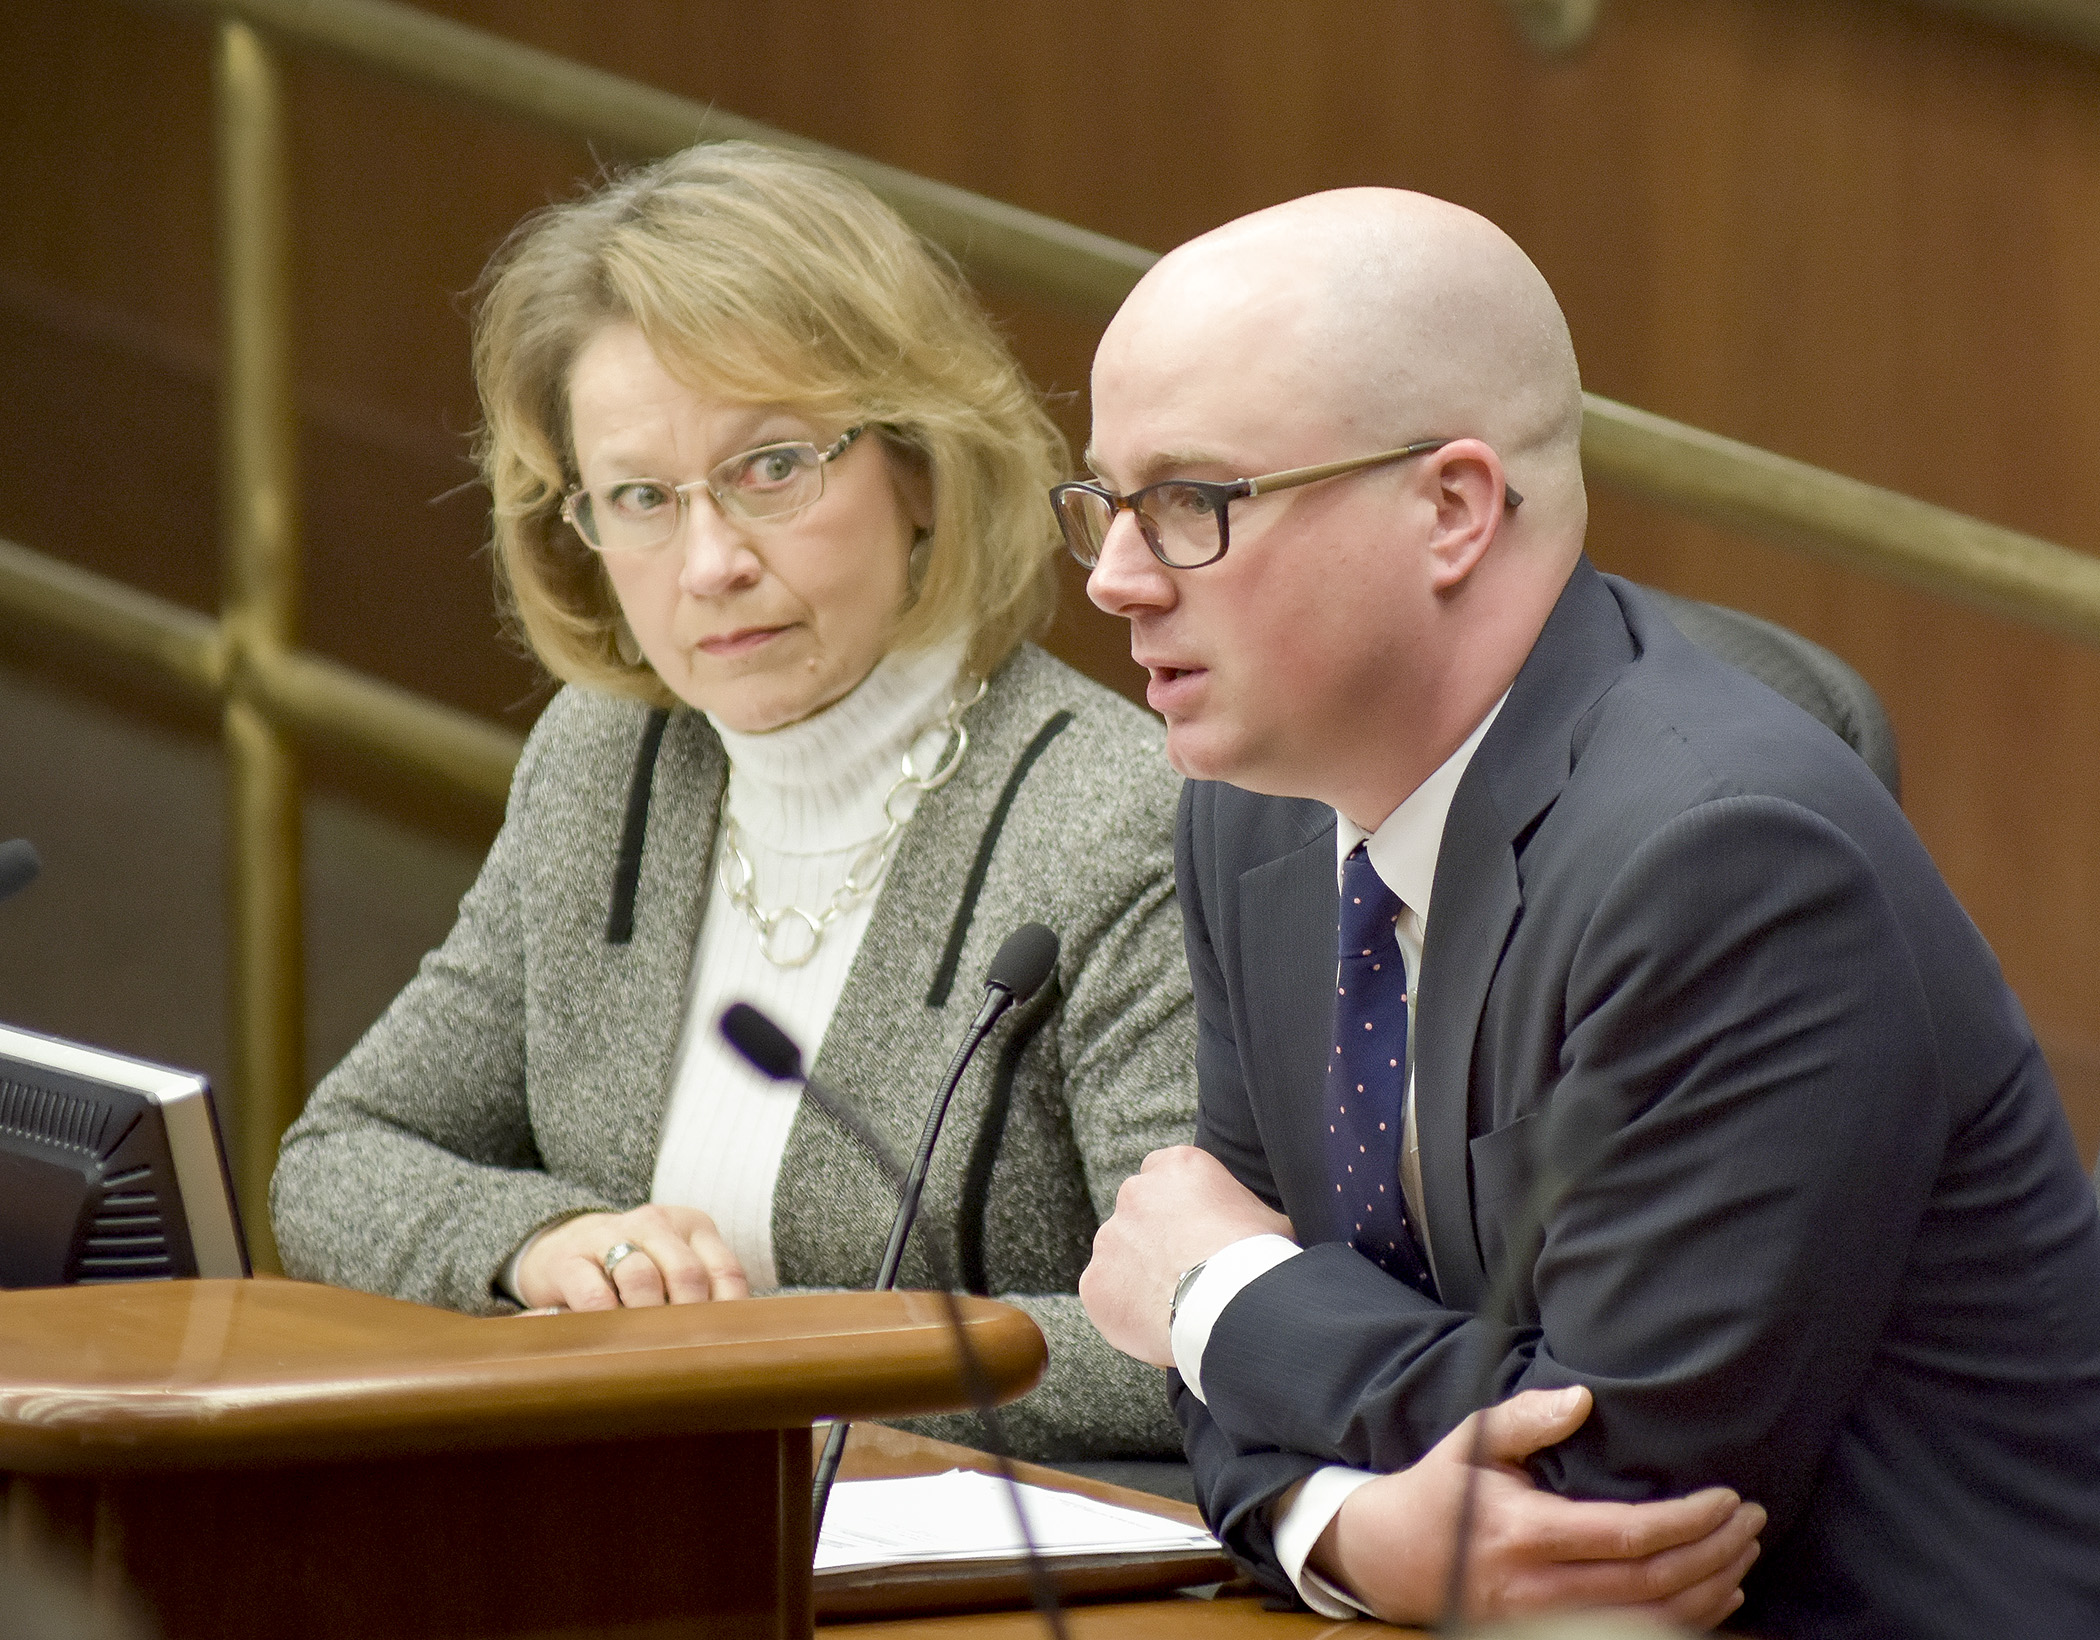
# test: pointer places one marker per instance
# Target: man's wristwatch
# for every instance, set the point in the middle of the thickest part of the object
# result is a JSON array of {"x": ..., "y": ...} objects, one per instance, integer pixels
[{"x": 1181, "y": 1290}]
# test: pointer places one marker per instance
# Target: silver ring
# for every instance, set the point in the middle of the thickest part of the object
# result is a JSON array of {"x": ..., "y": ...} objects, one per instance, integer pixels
[{"x": 616, "y": 1252}]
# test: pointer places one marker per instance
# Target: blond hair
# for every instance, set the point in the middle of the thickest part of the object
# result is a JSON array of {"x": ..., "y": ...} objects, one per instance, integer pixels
[{"x": 767, "y": 278}]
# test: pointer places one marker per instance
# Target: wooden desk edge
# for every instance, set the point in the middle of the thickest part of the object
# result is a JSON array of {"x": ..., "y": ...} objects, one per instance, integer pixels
[{"x": 286, "y": 1371}]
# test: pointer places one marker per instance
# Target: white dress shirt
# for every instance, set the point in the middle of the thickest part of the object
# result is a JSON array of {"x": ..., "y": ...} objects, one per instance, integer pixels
[
  {"x": 807, "y": 799},
  {"x": 1403, "y": 851}
]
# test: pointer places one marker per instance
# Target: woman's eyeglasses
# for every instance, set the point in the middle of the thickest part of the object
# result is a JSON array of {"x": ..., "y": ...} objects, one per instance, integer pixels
[{"x": 636, "y": 514}]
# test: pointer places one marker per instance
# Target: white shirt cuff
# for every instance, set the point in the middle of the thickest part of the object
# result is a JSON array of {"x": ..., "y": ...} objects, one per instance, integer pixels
[
  {"x": 1225, "y": 1272},
  {"x": 507, "y": 1277},
  {"x": 1302, "y": 1516}
]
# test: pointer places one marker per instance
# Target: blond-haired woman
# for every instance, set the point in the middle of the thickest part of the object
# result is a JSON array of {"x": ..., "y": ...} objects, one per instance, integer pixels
[{"x": 768, "y": 497}]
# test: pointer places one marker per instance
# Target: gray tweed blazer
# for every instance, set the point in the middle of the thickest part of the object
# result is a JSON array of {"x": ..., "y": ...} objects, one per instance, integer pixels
[{"x": 522, "y": 1076}]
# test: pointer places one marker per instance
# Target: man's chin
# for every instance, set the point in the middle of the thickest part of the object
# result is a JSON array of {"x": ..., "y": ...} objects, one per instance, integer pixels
[
  {"x": 1198, "y": 755},
  {"x": 1196, "y": 751}
]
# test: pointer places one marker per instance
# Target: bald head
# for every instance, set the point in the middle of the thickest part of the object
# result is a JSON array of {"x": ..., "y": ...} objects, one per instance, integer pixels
[
  {"x": 1353, "y": 632},
  {"x": 1391, "y": 314}
]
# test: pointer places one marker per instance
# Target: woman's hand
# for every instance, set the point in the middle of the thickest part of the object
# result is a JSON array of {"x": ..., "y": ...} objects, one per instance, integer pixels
[
  {"x": 679, "y": 1257},
  {"x": 1679, "y": 1559}
]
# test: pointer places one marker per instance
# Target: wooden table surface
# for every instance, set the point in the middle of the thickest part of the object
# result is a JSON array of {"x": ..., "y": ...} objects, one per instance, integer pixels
[
  {"x": 1238, "y": 1613},
  {"x": 1175, "y": 1617}
]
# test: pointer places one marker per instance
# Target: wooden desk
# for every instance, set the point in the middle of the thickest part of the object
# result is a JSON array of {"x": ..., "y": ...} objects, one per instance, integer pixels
[
  {"x": 1098, "y": 1609},
  {"x": 269, "y": 1458},
  {"x": 1179, "y": 1617}
]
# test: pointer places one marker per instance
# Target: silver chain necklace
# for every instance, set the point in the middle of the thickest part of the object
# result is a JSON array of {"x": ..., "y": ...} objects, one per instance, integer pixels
[{"x": 788, "y": 936}]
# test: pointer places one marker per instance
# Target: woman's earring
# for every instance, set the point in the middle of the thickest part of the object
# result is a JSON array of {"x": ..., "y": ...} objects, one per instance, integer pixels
[{"x": 915, "y": 565}]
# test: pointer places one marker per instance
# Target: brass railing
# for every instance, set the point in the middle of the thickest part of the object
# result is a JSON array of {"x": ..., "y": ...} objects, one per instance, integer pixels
[
  {"x": 270, "y": 691},
  {"x": 1561, "y": 27}
]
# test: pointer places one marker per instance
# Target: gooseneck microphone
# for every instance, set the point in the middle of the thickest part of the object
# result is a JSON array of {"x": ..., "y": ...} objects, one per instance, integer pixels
[
  {"x": 19, "y": 865},
  {"x": 1018, "y": 970},
  {"x": 1023, "y": 962},
  {"x": 772, "y": 1053}
]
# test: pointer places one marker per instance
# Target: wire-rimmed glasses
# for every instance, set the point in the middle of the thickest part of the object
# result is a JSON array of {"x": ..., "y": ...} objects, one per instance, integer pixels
[
  {"x": 1183, "y": 520},
  {"x": 636, "y": 514}
]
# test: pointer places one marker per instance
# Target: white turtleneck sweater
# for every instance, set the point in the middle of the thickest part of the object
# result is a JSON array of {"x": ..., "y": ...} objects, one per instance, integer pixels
[{"x": 807, "y": 799}]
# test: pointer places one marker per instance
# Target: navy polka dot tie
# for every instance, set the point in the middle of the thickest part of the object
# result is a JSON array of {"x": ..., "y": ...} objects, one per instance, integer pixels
[{"x": 1367, "y": 1076}]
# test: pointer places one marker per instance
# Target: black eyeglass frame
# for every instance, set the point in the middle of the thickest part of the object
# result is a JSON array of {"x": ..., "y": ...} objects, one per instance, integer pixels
[{"x": 1217, "y": 493}]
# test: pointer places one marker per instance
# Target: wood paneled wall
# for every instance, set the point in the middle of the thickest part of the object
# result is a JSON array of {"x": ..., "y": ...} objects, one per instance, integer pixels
[{"x": 1860, "y": 232}]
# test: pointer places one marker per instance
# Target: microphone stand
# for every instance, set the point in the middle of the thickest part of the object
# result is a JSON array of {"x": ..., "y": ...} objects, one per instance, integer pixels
[
  {"x": 910, "y": 1187},
  {"x": 1024, "y": 961}
]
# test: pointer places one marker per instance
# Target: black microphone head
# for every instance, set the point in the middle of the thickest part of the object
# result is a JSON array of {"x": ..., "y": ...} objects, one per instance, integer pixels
[
  {"x": 18, "y": 866},
  {"x": 771, "y": 1051},
  {"x": 1023, "y": 962}
]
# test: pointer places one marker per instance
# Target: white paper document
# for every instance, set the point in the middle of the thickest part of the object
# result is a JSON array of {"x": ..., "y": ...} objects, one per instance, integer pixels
[{"x": 963, "y": 1515}]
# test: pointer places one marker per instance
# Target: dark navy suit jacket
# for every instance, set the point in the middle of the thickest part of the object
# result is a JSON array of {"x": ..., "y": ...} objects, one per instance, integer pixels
[{"x": 1817, "y": 1230}]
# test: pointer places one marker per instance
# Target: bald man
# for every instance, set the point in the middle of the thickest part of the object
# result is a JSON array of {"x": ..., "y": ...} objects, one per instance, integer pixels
[{"x": 1533, "y": 946}]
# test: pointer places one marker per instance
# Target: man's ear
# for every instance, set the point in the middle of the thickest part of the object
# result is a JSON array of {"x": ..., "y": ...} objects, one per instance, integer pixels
[{"x": 1469, "y": 509}]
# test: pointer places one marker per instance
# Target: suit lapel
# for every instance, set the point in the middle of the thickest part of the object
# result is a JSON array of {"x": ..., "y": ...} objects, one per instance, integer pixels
[
  {"x": 1477, "y": 898},
  {"x": 882, "y": 1048},
  {"x": 888, "y": 1043},
  {"x": 1515, "y": 777},
  {"x": 670, "y": 898},
  {"x": 884, "y": 1016},
  {"x": 1286, "y": 938}
]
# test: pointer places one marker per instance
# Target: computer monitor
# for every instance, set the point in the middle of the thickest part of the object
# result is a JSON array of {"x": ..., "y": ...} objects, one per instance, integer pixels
[{"x": 111, "y": 1169}]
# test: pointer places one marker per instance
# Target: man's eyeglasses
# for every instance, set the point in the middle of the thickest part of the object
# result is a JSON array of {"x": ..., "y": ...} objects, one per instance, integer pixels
[
  {"x": 1184, "y": 520},
  {"x": 635, "y": 514}
]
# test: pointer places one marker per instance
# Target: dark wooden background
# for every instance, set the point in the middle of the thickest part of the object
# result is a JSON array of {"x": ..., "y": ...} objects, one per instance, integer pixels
[{"x": 1861, "y": 232}]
